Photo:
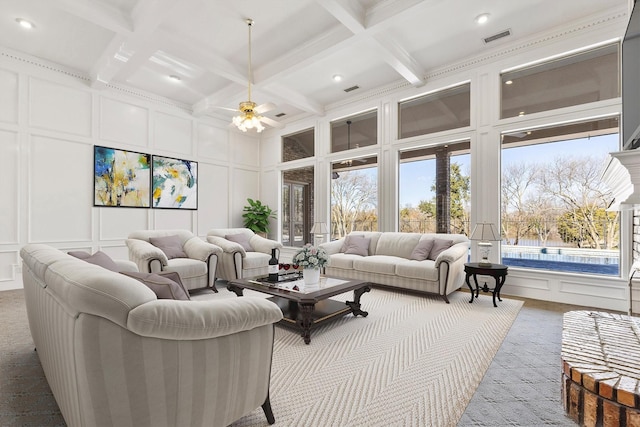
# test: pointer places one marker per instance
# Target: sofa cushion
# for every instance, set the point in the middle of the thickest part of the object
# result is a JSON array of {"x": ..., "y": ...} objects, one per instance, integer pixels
[
  {"x": 98, "y": 258},
  {"x": 397, "y": 244},
  {"x": 166, "y": 285},
  {"x": 255, "y": 260},
  {"x": 422, "y": 270},
  {"x": 379, "y": 264},
  {"x": 356, "y": 245},
  {"x": 422, "y": 250},
  {"x": 344, "y": 261},
  {"x": 187, "y": 267},
  {"x": 439, "y": 245},
  {"x": 170, "y": 245},
  {"x": 242, "y": 239}
]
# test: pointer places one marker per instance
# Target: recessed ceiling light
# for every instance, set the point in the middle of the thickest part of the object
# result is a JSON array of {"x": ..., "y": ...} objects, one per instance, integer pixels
[
  {"x": 174, "y": 78},
  {"x": 25, "y": 24},
  {"x": 521, "y": 113},
  {"x": 482, "y": 18},
  {"x": 509, "y": 82},
  {"x": 337, "y": 78}
]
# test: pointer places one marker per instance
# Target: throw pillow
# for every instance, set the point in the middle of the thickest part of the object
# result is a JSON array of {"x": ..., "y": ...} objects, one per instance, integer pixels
[
  {"x": 170, "y": 245},
  {"x": 439, "y": 245},
  {"x": 422, "y": 250},
  {"x": 346, "y": 241},
  {"x": 242, "y": 239},
  {"x": 166, "y": 285},
  {"x": 99, "y": 258},
  {"x": 357, "y": 245}
]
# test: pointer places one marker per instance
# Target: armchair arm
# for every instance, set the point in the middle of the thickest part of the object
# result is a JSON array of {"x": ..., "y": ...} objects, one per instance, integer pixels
[
  {"x": 196, "y": 248},
  {"x": 261, "y": 244},
  {"x": 227, "y": 246},
  {"x": 144, "y": 253},
  {"x": 450, "y": 264},
  {"x": 333, "y": 247},
  {"x": 193, "y": 320}
]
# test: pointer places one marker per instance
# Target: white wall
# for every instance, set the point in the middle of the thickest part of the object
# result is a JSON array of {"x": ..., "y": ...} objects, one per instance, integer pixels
[
  {"x": 484, "y": 132},
  {"x": 49, "y": 122}
]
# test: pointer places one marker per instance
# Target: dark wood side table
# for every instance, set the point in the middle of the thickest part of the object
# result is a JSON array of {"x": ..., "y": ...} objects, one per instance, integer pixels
[{"x": 497, "y": 271}]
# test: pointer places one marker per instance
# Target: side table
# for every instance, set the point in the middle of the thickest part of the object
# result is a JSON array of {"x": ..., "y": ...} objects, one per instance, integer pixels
[{"x": 497, "y": 271}]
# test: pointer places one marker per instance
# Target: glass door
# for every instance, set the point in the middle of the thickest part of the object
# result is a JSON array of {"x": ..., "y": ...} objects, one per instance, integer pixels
[{"x": 295, "y": 219}]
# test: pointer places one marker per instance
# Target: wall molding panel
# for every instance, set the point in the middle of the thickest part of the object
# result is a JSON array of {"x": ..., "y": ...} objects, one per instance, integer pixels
[{"x": 49, "y": 121}]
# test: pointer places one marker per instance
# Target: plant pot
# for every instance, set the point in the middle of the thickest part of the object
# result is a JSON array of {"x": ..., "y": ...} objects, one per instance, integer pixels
[{"x": 311, "y": 276}]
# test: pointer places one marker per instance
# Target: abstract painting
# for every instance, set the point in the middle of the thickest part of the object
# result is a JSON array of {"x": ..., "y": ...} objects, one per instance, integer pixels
[
  {"x": 121, "y": 178},
  {"x": 175, "y": 183}
]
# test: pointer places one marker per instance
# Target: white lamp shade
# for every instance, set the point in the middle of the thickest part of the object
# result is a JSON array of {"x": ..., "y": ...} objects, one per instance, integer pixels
[
  {"x": 319, "y": 228},
  {"x": 485, "y": 231}
]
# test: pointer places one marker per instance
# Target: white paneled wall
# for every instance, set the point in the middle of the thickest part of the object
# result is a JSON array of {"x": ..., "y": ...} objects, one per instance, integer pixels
[{"x": 49, "y": 123}]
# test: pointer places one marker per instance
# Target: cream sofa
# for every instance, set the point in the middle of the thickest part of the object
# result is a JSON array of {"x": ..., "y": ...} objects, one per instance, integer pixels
[
  {"x": 235, "y": 261},
  {"x": 388, "y": 262},
  {"x": 115, "y": 355}
]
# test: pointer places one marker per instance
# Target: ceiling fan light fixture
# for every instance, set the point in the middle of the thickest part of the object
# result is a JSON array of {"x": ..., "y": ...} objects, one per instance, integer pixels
[{"x": 248, "y": 119}]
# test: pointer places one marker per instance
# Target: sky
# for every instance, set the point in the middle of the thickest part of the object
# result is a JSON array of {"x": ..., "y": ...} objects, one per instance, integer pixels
[{"x": 416, "y": 178}]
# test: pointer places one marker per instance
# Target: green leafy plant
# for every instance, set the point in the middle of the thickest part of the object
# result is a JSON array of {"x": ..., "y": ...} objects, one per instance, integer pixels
[{"x": 256, "y": 216}]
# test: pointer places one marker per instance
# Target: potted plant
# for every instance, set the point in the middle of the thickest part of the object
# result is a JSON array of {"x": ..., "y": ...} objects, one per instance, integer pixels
[{"x": 256, "y": 217}]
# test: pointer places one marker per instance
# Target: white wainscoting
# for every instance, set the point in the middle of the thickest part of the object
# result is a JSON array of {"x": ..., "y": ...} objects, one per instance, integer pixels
[{"x": 49, "y": 123}]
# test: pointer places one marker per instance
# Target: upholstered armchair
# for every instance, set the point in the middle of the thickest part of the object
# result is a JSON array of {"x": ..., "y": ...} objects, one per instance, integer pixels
[
  {"x": 245, "y": 254},
  {"x": 192, "y": 258}
]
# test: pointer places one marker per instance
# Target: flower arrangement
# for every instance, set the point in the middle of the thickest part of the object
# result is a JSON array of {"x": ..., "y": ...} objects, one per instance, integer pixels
[{"x": 311, "y": 257}]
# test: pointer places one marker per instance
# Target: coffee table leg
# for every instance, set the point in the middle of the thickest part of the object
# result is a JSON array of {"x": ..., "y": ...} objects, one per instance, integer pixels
[
  {"x": 305, "y": 321},
  {"x": 355, "y": 304},
  {"x": 235, "y": 289}
]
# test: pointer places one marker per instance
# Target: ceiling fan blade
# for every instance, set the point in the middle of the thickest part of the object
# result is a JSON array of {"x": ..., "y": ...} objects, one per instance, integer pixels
[
  {"x": 271, "y": 122},
  {"x": 235, "y": 110},
  {"x": 263, "y": 108}
]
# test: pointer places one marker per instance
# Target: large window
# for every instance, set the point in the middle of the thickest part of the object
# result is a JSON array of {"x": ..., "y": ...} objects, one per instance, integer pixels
[
  {"x": 354, "y": 196},
  {"x": 357, "y": 131},
  {"x": 434, "y": 189},
  {"x": 299, "y": 145},
  {"x": 572, "y": 80},
  {"x": 553, "y": 202},
  {"x": 435, "y": 112}
]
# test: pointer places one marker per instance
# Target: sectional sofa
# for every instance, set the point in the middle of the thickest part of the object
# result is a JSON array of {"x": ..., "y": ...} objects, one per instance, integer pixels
[
  {"x": 114, "y": 354},
  {"x": 426, "y": 263}
]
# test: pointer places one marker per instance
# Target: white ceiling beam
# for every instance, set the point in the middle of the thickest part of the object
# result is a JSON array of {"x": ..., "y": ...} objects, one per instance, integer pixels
[
  {"x": 136, "y": 47},
  {"x": 349, "y": 13},
  {"x": 393, "y": 54},
  {"x": 400, "y": 60},
  {"x": 196, "y": 53},
  {"x": 99, "y": 13},
  {"x": 294, "y": 98}
]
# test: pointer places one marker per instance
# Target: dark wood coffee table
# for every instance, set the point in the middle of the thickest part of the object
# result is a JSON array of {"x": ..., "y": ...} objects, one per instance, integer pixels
[{"x": 308, "y": 307}]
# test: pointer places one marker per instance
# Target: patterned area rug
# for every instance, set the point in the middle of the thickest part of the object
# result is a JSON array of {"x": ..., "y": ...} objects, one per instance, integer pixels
[{"x": 414, "y": 361}]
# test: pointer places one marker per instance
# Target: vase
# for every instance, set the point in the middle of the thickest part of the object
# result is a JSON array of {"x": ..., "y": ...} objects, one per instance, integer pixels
[{"x": 311, "y": 276}]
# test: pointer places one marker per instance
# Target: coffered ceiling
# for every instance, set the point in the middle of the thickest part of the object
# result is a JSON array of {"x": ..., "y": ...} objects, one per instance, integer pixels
[{"x": 297, "y": 45}]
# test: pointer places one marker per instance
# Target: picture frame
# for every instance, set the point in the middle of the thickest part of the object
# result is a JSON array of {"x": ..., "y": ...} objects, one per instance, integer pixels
[
  {"x": 121, "y": 178},
  {"x": 174, "y": 183}
]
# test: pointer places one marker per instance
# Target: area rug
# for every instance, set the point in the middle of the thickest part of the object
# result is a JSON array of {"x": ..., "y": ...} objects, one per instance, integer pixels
[{"x": 414, "y": 361}]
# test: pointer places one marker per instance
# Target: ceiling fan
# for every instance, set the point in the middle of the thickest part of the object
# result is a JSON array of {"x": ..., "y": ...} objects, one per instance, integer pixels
[{"x": 250, "y": 113}]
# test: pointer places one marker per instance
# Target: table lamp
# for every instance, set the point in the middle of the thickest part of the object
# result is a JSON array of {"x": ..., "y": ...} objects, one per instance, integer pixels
[
  {"x": 485, "y": 233},
  {"x": 319, "y": 230}
]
